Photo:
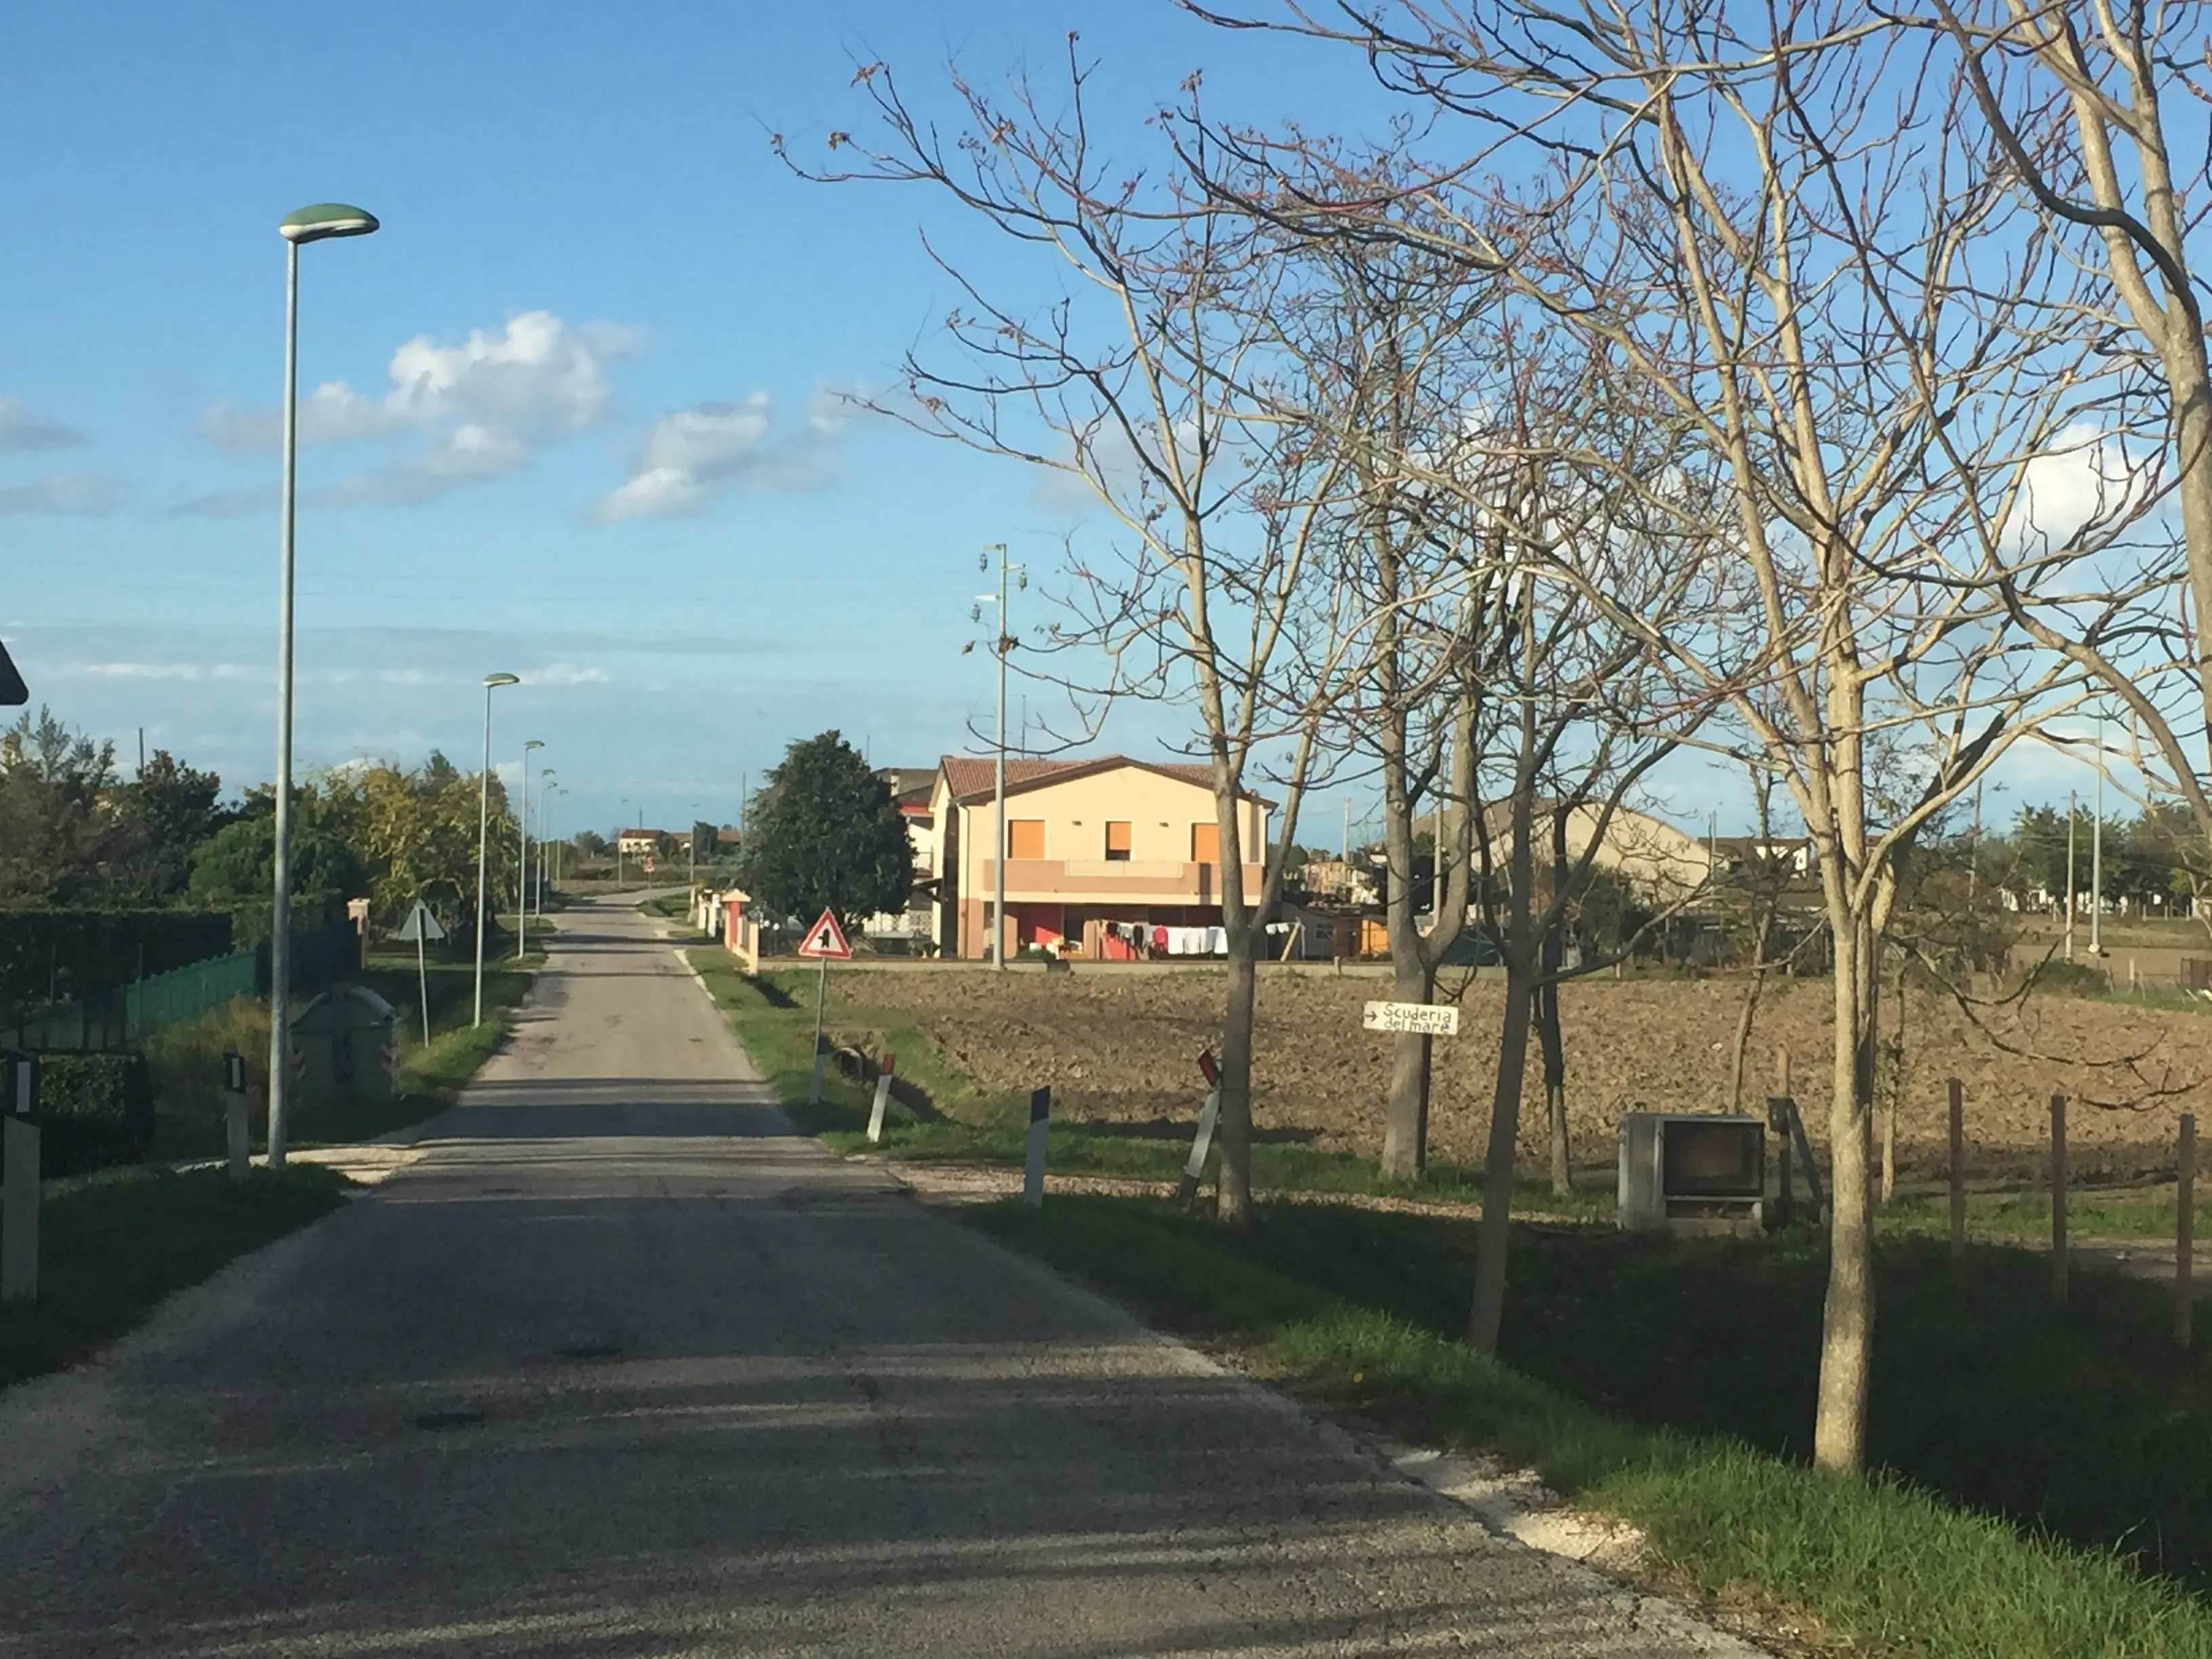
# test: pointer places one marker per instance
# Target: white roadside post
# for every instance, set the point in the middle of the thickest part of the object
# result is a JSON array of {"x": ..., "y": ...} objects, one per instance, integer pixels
[
  {"x": 237, "y": 1126},
  {"x": 1186, "y": 1191},
  {"x": 825, "y": 939},
  {"x": 19, "y": 1200},
  {"x": 883, "y": 1099},
  {"x": 1033, "y": 1163}
]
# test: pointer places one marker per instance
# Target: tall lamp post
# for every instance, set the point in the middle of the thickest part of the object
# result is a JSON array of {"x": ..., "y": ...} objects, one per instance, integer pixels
[
  {"x": 619, "y": 834},
  {"x": 522, "y": 863},
  {"x": 998, "y": 790},
  {"x": 492, "y": 682},
  {"x": 320, "y": 222},
  {"x": 544, "y": 832}
]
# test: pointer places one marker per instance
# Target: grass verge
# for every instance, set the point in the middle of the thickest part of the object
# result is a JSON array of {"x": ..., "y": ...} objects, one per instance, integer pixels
[
  {"x": 113, "y": 1244},
  {"x": 186, "y": 1059},
  {"x": 1668, "y": 1383},
  {"x": 939, "y": 1113}
]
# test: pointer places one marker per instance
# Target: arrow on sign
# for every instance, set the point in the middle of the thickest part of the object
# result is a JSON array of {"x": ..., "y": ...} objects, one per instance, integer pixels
[
  {"x": 826, "y": 939},
  {"x": 1432, "y": 1020}
]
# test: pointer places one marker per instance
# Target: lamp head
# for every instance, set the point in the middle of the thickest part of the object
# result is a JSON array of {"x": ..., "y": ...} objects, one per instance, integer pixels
[
  {"x": 491, "y": 680},
  {"x": 325, "y": 220},
  {"x": 534, "y": 743}
]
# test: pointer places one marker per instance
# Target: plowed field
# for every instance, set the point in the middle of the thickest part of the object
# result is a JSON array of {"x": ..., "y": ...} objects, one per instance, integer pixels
[{"x": 1120, "y": 1047}]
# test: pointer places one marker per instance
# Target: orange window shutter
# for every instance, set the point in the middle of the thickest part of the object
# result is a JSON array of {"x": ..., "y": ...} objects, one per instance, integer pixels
[
  {"x": 1205, "y": 843},
  {"x": 1118, "y": 839},
  {"x": 1025, "y": 838}
]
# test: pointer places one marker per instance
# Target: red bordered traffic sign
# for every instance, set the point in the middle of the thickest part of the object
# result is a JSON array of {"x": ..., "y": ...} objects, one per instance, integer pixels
[{"x": 825, "y": 939}]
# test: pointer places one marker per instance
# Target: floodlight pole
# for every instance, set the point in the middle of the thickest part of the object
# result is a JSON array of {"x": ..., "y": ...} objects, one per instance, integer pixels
[{"x": 998, "y": 783}]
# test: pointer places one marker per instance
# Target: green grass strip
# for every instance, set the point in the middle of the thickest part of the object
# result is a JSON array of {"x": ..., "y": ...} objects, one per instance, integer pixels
[
  {"x": 112, "y": 1245},
  {"x": 1881, "y": 1564}
]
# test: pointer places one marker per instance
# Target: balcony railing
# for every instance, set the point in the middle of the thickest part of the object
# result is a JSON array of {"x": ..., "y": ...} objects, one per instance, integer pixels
[{"x": 1122, "y": 881}]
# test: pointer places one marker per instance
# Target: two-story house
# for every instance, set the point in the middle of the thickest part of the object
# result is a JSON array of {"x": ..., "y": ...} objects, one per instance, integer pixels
[{"x": 1106, "y": 859}]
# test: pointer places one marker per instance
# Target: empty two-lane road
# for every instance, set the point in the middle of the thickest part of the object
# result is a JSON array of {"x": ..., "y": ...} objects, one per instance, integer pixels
[{"x": 621, "y": 1364}]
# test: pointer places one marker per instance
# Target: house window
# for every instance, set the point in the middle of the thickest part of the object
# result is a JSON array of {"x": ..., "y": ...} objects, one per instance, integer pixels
[
  {"x": 1205, "y": 843},
  {"x": 1025, "y": 838},
  {"x": 1117, "y": 843}
]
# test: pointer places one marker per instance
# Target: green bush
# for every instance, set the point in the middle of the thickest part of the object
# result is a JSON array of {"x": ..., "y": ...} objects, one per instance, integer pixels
[
  {"x": 2072, "y": 979},
  {"x": 56, "y": 955},
  {"x": 97, "y": 1111}
]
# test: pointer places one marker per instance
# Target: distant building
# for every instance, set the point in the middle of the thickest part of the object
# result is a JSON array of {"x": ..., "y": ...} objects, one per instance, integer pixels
[
  {"x": 642, "y": 843},
  {"x": 1106, "y": 858}
]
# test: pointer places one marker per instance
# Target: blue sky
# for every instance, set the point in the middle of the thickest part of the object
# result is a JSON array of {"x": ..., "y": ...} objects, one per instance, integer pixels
[
  {"x": 628, "y": 480},
  {"x": 584, "y": 233}
]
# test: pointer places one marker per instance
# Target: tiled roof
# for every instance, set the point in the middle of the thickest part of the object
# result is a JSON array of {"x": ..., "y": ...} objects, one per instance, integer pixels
[{"x": 968, "y": 776}]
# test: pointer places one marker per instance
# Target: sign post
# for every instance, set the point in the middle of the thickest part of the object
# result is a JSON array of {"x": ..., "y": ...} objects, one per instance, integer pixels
[
  {"x": 18, "y": 1201},
  {"x": 824, "y": 940},
  {"x": 421, "y": 926},
  {"x": 237, "y": 1129},
  {"x": 1186, "y": 1190}
]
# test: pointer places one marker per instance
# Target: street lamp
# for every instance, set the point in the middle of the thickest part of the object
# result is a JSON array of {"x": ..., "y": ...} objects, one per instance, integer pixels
[
  {"x": 544, "y": 832},
  {"x": 309, "y": 224},
  {"x": 619, "y": 834},
  {"x": 998, "y": 650},
  {"x": 492, "y": 682},
  {"x": 522, "y": 863}
]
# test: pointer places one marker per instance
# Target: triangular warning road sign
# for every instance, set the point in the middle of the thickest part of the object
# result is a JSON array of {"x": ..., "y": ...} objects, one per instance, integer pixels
[
  {"x": 825, "y": 939},
  {"x": 420, "y": 925}
]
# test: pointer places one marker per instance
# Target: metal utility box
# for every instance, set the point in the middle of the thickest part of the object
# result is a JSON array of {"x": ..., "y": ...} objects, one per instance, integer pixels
[
  {"x": 1692, "y": 1172},
  {"x": 344, "y": 1046}
]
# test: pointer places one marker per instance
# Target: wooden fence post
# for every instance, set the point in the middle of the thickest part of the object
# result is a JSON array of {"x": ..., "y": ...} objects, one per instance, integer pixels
[
  {"x": 2184, "y": 1234},
  {"x": 2058, "y": 1200},
  {"x": 1957, "y": 1169},
  {"x": 1785, "y": 1198}
]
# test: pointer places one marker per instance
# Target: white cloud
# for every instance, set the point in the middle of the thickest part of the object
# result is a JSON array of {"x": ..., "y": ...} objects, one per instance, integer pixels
[
  {"x": 81, "y": 494},
  {"x": 693, "y": 457},
  {"x": 2088, "y": 479},
  {"x": 225, "y": 503},
  {"x": 140, "y": 670},
  {"x": 565, "y": 673},
  {"x": 487, "y": 405},
  {"x": 23, "y": 428}
]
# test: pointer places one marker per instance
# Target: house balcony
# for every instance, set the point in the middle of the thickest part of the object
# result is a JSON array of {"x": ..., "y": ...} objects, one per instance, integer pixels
[{"x": 1110, "y": 881}]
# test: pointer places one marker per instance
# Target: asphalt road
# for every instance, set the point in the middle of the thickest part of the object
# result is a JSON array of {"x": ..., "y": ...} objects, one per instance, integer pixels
[{"x": 620, "y": 1364}]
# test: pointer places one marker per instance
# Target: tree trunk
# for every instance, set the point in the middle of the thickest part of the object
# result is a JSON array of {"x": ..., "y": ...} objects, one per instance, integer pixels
[
  {"x": 1553, "y": 1047},
  {"x": 1406, "y": 1119},
  {"x": 1488, "y": 1309},
  {"x": 1234, "y": 1123},
  {"x": 1847, "y": 1317}
]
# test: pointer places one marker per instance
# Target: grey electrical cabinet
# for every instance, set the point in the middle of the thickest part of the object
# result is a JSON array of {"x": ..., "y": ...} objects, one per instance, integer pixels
[{"x": 1692, "y": 1172}]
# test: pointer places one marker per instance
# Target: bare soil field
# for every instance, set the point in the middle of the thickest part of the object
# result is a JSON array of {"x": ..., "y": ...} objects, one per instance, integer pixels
[{"x": 1121, "y": 1048}]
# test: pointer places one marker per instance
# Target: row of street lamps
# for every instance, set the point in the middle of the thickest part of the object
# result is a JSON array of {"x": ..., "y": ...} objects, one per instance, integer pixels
[{"x": 321, "y": 222}]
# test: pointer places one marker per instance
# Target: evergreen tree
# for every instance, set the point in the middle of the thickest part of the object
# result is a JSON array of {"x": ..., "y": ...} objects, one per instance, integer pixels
[{"x": 825, "y": 834}]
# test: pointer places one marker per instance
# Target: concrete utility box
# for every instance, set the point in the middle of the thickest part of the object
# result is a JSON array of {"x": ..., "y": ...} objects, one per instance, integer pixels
[
  {"x": 1692, "y": 1172},
  {"x": 344, "y": 1046}
]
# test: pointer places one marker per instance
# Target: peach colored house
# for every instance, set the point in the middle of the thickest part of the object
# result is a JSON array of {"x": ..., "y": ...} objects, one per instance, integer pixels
[{"x": 1100, "y": 853}]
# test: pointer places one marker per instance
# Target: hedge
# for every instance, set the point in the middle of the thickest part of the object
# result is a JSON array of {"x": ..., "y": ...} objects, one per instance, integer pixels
[
  {"x": 96, "y": 1111},
  {"x": 60, "y": 956}
]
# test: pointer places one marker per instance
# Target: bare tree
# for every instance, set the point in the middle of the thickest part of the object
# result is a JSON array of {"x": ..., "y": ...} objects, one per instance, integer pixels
[
  {"x": 1150, "y": 376},
  {"x": 1781, "y": 234},
  {"x": 2094, "y": 112}
]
